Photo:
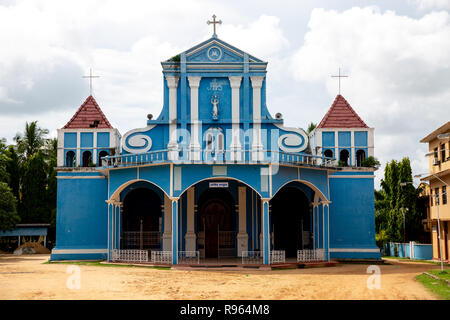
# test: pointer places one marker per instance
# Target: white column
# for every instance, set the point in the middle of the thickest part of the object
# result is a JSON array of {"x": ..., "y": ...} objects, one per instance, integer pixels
[
  {"x": 257, "y": 147},
  {"x": 172, "y": 83},
  {"x": 194, "y": 83},
  {"x": 336, "y": 146},
  {"x": 242, "y": 237},
  {"x": 190, "y": 236},
  {"x": 235, "y": 146},
  {"x": 78, "y": 149},
  {"x": 167, "y": 236},
  {"x": 352, "y": 148},
  {"x": 61, "y": 161},
  {"x": 370, "y": 142},
  {"x": 94, "y": 149}
]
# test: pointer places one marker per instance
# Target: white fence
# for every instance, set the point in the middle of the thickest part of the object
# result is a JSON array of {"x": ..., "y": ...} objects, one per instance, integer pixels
[
  {"x": 311, "y": 255},
  {"x": 277, "y": 256},
  {"x": 129, "y": 255},
  {"x": 252, "y": 257},
  {"x": 162, "y": 257},
  {"x": 189, "y": 257}
]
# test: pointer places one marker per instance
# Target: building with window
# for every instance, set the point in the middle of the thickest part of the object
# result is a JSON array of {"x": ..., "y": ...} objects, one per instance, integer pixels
[
  {"x": 439, "y": 181},
  {"x": 215, "y": 176}
]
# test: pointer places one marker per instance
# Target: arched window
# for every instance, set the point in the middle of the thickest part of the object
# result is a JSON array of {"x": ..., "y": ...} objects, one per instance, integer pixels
[
  {"x": 87, "y": 158},
  {"x": 328, "y": 153},
  {"x": 343, "y": 156},
  {"x": 220, "y": 142},
  {"x": 209, "y": 141},
  {"x": 101, "y": 155},
  {"x": 360, "y": 157},
  {"x": 70, "y": 159}
]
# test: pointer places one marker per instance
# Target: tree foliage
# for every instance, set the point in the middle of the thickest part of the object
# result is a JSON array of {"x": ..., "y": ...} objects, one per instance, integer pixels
[
  {"x": 28, "y": 170},
  {"x": 31, "y": 140},
  {"x": 311, "y": 127},
  {"x": 397, "y": 196},
  {"x": 8, "y": 213}
]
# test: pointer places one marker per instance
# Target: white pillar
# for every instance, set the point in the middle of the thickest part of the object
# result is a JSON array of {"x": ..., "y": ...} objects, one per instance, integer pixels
[
  {"x": 370, "y": 143},
  {"x": 257, "y": 146},
  {"x": 194, "y": 83},
  {"x": 190, "y": 236},
  {"x": 78, "y": 149},
  {"x": 352, "y": 149},
  {"x": 235, "y": 146},
  {"x": 167, "y": 236},
  {"x": 94, "y": 149},
  {"x": 242, "y": 237},
  {"x": 172, "y": 83}
]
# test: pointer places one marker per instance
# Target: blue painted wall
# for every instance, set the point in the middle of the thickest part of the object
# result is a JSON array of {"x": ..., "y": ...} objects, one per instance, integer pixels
[{"x": 81, "y": 214}]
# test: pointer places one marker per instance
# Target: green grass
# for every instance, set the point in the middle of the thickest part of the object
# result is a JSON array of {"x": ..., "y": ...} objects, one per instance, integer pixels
[
  {"x": 439, "y": 287},
  {"x": 98, "y": 263},
  {"x": 424, "y": 261},
  {"x": 438, "y": 273}
]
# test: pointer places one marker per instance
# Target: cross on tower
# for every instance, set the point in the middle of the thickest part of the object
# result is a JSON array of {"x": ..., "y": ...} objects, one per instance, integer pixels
[
  {"x": 90, "y": 76},
  {"x": 214, "y": 22},
  {"x": 339, "y": 77}
]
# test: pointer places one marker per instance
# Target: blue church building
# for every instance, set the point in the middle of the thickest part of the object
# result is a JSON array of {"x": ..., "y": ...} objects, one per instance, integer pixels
[{"x": 215, "y": 176}]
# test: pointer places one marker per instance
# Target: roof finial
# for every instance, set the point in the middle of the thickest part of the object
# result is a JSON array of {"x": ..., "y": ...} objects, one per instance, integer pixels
[
  {"x": 90, "y": 76},
  {"x": 214, "y": 22},
  {"x": 339, "y": 77}
]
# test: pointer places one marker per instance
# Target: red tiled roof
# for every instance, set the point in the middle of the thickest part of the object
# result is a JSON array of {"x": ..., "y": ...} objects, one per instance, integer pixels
[
  {"x": 341, "y": 115},
  {"x": 87, "y": 114}
]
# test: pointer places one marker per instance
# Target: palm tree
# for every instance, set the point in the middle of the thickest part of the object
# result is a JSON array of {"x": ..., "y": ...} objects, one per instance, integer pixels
[{"x": 32, "y": 140}]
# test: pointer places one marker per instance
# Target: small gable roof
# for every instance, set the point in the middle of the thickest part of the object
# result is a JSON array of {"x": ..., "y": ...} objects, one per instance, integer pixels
[
  {"x": 88, "y": 116},
  {"x": 216, "y": 41},
  {"x": 341, "y": 115}
]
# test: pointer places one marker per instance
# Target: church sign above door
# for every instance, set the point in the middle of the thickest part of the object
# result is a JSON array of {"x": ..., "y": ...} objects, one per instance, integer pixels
[{"x": 218, "y": 184}]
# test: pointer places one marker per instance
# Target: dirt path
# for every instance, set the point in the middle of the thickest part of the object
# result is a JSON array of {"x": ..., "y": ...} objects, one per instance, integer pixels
[{"x": 26, "y": 277}]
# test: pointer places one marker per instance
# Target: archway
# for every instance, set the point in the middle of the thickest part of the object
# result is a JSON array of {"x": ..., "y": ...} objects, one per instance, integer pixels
[
  {"x": 360, "y": 157},
  {"x": 142, "y": 220},
  {"x": 101, "y": 154},
  {"x": 70, "y": 159},
  {"x": 328, "y": 153},
  {"x": 87, "y": 158},
  {"x": 343, "y": 156},
  {"x": 216, "y": 224},
  {"x": 291, "y": 225}
]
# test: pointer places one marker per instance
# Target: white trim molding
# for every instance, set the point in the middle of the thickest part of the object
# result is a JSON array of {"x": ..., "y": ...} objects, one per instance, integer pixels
[
  {"x": 354, "y": 250},
  {"x": 78, "y": 251}
]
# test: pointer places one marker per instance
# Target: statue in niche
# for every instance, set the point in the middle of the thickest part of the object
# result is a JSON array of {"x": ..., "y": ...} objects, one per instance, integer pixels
[{"x": 215, "y": 109}]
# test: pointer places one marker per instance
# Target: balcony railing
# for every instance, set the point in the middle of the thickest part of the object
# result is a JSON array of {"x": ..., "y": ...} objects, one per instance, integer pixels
[{"x": 214, "y": 157}]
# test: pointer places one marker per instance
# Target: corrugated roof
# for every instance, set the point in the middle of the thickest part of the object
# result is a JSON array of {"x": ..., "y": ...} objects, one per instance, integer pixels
[
  {"x": 341, "y": 115},
  {"x": 88, "y": 116}
]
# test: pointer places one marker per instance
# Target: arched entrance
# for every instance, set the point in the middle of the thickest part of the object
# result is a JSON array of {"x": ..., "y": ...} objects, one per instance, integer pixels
[
  {"x": 216, "y": 224},
  {"x": 291, "y": 225},
  {"x": 142, "y": 219}
]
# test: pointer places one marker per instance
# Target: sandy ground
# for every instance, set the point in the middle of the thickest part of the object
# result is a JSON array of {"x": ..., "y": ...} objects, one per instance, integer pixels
[{"x": 27, "y": 277}]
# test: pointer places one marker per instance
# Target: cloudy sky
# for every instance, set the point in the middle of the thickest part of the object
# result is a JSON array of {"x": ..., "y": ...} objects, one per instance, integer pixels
[{"x": 396, "y": 54}]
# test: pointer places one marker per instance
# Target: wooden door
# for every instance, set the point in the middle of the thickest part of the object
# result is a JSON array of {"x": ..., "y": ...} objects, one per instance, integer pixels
[{"x": 215, "y": 214}]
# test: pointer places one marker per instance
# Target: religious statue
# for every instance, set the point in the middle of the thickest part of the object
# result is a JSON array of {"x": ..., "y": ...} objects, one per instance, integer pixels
[{"x": 215, "y": 110}]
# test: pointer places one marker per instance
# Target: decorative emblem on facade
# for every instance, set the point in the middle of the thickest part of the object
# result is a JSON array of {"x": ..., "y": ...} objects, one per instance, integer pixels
[
  {"x": 214, "y": 53},
  {"x": 135, "y": 141},
  {"x": 215, "y": 109},
  {"x": 215, "y": 85},
  {"x": 295, "y": 140}
]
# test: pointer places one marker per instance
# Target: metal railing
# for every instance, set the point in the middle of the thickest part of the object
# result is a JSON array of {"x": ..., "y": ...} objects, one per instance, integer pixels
[
  {"x": 141, "y": 240},
  {"x": 216, "y": 157},
  {"x": 277, "y": 256},
  {"x": 164, "y": 257},
  {"x": 188, "y": 257},
  {"x": 226, "y": 244},
  {"x": 311, "y": 255},
  {"x": 252, "y": 257},
  {"x": 129, "y": 255}
]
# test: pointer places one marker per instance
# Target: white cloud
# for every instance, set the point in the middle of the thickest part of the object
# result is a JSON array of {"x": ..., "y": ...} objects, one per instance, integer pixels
[
  {"x": 399, "y": 72},
  {"x": 431, "y": 4}
]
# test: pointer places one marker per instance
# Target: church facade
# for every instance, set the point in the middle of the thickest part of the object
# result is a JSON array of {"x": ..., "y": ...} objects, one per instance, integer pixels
[{"x": 215, "y": 176}]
